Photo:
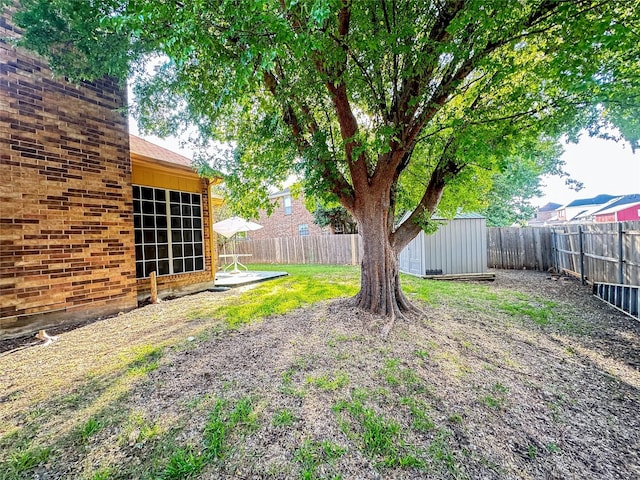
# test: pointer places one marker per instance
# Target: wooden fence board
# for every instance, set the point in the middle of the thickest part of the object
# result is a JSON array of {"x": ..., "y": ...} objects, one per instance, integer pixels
[
  {"x": 603, "y": 246},
  {"x": 318, "y": 249},
  {"x": 518, "y": 248}
]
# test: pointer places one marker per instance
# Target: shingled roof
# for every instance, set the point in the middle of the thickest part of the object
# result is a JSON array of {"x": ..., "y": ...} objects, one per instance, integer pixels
[
  {"x": 549, "y": 207},
  {"x": 147, "y": 149},
  {"x": 597, "y": 200},
  {"x": 620, "y": 203}
]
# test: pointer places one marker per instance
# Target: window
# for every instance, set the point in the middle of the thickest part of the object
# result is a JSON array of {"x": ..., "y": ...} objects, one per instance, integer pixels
[
  {"x": 168, "y": 231},
  {"x": 303, "y": 229},
  {"x": 287, "y": 205}
]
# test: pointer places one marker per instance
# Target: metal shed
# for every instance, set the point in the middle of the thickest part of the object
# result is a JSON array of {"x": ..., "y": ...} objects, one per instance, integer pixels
[{"x": 458, "y": 247}]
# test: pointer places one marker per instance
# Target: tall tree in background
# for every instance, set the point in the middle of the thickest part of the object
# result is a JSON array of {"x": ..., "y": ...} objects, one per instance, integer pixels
[
  {"x": 518, "y": 181},
  {"x": 367, "y": 101}
]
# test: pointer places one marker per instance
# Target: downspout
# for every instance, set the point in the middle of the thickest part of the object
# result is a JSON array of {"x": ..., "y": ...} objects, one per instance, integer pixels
[{"x": 212, "y": 234}]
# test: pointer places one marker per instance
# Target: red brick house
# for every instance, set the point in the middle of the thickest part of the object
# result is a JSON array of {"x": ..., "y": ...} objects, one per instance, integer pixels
[
  {"x": 289, "y": 219},
  {"x": 546, "y": 212},
  {"x": 86, "y": 212}
]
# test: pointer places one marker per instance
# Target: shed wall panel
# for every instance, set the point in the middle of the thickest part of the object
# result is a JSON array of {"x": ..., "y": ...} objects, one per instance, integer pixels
[{"x": 458, "y": 247}]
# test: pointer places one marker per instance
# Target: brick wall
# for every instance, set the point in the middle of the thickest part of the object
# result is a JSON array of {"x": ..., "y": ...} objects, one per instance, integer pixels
[
  {"x": 281, "y": 224},
  {"x": 66, "y": 233}
]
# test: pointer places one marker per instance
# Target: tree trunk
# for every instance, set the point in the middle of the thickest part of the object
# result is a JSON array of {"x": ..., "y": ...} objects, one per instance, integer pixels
[{"x": 380, "y": 291}]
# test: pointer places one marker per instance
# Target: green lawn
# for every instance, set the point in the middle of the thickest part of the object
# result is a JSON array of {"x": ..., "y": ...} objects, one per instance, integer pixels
[{"x": 305, "y": 284}]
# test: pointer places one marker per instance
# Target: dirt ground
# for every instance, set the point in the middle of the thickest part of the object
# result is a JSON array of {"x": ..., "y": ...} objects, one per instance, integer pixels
[{"x": 508, "y": 399}]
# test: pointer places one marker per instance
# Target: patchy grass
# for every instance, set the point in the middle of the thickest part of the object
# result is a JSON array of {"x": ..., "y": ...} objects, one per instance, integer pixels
[
  {"x": 312, "y": 455},
  {"x": 284, "y": 418},
  {"x": 521, "y": 307},
  {"x": 329, "y": 382},
  {"x": 483, "y": 387},
  {"x": 225, "y": 420},
  {"x": 89, "y": 428},
  {"x": 419, "y": 410},
  {"x": 379, "y": 437},
  {"x": 22, "y": 461}
]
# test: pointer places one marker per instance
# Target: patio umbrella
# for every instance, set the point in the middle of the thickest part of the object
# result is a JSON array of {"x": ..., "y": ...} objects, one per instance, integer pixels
[
  {"x": 233, "y": 225},
  {"x": 229, "y": 228}
]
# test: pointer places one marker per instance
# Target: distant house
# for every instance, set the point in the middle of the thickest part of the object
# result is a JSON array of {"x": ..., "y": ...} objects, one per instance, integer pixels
[
  {"x": 289, "y": 219},
  {"x": 580, "y": 209},
  {"x": 545, "y": 214},
  {"x": 86, "y": 211},
  {"x": 626, "y": 208},
  {"x": 547, "y": 211}
]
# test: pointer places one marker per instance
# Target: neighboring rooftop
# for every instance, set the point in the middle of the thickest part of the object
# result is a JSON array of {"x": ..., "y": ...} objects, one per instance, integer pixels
[
  {"x": 622, "y": 201},
  {"x": 150, "y": 150},
  {"x": 280, "y": 193},
  {"x": 597, "y": 200},
  {"x": 549, "y": 207},
  {"x": 620, "y": 204}
]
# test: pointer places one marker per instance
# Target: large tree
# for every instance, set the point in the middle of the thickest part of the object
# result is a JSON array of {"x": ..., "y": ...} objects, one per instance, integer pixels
[{"x": 360, "y": 97}]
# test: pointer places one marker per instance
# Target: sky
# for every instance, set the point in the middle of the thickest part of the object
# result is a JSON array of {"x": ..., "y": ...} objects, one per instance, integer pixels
[{"x": 603, "y": 166}]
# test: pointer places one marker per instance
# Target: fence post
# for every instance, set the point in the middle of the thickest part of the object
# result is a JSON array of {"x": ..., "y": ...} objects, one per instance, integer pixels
[
  {"x": 154, "y": 287},
  {"x": 554, "y": 250},
  {"x": 354, "y": 258},
  {"x": 502, "y": 265},
  {"x": 581, "y": 242},
  {"x": 620, "y": 255}
]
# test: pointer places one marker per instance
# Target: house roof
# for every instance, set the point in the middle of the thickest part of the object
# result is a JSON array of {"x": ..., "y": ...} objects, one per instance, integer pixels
[
  {"x": 617, "y": 208},
  {"x": 582, "y": 213},
  {"x": 281, "y": 193},
  {"x": 621, "y": 202},
  {"x": 549, "y": 207},
  {"x": 150, "y": 150},
  {"x": 597, "y": 200}
]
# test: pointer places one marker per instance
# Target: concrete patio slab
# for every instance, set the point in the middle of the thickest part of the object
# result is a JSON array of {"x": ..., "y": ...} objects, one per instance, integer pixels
[{"x": 226, "y": 279}]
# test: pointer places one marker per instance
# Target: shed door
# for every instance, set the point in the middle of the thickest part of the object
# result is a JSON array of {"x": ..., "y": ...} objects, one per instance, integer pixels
[{"x": 415, "y": 254}]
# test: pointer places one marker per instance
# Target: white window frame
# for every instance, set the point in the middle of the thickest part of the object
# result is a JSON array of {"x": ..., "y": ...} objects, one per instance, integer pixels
[{"x": 286, "y": 204}]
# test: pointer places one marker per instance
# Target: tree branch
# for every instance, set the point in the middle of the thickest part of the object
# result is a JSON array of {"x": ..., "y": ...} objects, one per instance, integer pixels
[
  {"x": 338, "y": 184},
  {"x": 446, "y": 168},
  {"x": 453, "y": 75}
]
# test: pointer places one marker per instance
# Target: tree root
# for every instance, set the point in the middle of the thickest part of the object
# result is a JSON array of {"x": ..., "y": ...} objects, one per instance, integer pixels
[
  {"x": 387, "y": 327},
  {"x": 384, "y": 322}
]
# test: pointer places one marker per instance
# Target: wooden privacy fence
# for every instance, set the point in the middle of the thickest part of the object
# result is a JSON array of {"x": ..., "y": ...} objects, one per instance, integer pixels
[
  {"x": 518, "y": 248},
  {"x": 603, "y": 253},
  {"x": 598, "y": 252},
  {"x": 317, "y": 249}
]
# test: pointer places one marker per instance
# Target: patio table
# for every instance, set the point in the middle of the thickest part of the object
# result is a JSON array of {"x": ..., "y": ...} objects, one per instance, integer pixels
[{"x": 235, "y": 262}]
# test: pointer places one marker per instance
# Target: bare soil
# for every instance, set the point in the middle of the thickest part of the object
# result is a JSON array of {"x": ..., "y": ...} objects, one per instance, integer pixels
[{"x": 508, "y": 398}]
